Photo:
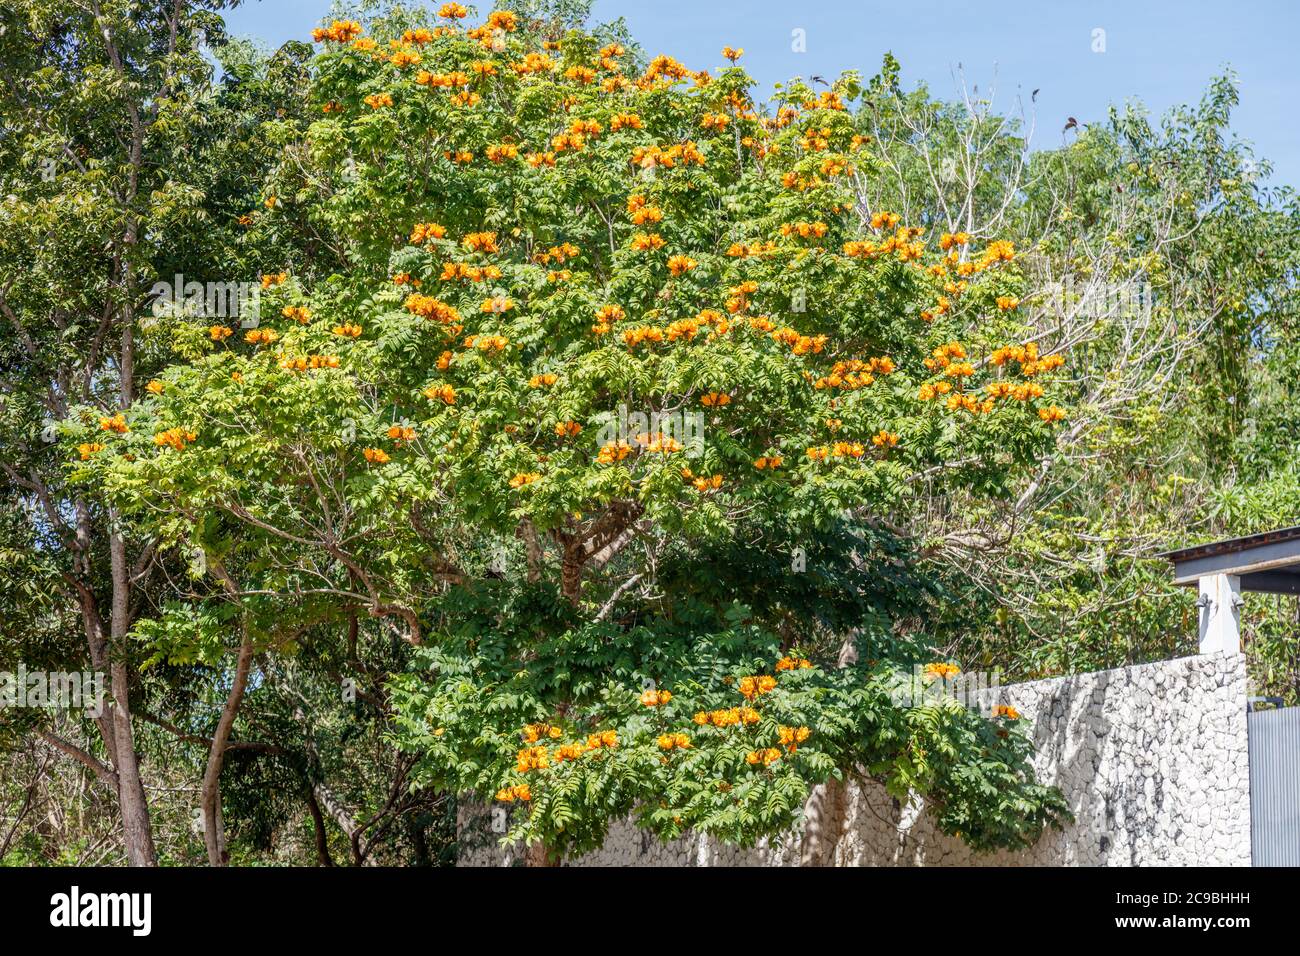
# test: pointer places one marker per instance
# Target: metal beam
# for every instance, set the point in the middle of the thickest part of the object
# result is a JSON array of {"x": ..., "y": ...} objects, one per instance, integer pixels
[{"x": 1265, "y": 557}]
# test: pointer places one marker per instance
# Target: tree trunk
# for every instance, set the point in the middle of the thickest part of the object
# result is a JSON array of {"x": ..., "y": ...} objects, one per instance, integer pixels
[
  {"x": 538, "y": 855},
  {"x": 323, "y": 857},
  {"x": 137, "y": 830},
  {"x": 214, "y": 835},
  {"x": 824, "y": 812}
]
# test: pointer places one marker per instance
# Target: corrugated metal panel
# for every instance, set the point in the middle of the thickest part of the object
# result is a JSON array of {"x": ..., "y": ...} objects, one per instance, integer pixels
[{"x": 1274, "y": 786}]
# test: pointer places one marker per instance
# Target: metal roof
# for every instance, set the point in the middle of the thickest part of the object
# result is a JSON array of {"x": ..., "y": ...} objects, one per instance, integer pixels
[{"x": 1267, "y": 562}]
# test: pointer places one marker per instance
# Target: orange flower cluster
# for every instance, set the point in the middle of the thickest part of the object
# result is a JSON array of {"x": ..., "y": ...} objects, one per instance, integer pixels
[
  {"x": 88, "y": 448},
  {"x": 298, "y": 313},
  {"x": 791, "y": 737},
  {"x": 340, "y": 31},
  {"x": 545, "y": 380},
  {"x": 950, "y": 239},
  {"x": 625, "y": 121},
  {"x": 728, "y": 717},
  {"x": 1007, "y": 302},
  {"x": 1022, "y": 392},
  {"x": 677, "y": 741},
  {"x": 425, "y": 231},
  {"x": 655, "y": 698},
  {"x": 606, "y": 316},
  {"x": 532, "y": 758},
  {"x": 535, "y": 732},
  {"x": 942, "y": 671},
  {"x": 804, "y": 230},
  {"x": 680, "y": 264},
  {"x": 219, "y": 332},
  {"x": 487, "y": 343},
  {"x": 751, "y": 687},
  {"x": 998, "y": 251},
  {"x": 443, "y": 393},
  {"x": 642, "y": 333},
  {"x": 707, "y": 484},
  {"x": 1007, "y": 711},
  {"x": 401, "y": 433},
  {"x": 524, "y": 478},
  {"x": 793, "y": 664},
  {"x": 647, "y": 242},
  {"x": 884, "y": 439},
  {"x": 117, "y": 423},
  {"x": 303, "y": 363},
  {"x": 496, "y": 305},
  {"x": 945, "y": 355},
  {"x": 174, "y": 438},
  {"x": 442, "y": 80},
  {"x": 568, "y": 429},
  {"x": 1028, "y": 358},
  {"x": 771, "y": 462},
  {"x": 657, "y": 443},
  {"x": 274, "y": 278},
  {"x": 521, "y": 792},
  {"x": 480, "y": 242},
  {"x": 349, "y": 330},
  {"x": 743, "y": 250},
  {"x": 451, "y": 271},
  {"x": 261, "y": 336},
  {"x": 559, "y": 254},
  {"x": 715, "y": 399},
  {"x": 766, "y": 757},
  {"x": 378, "y": 100},
  {"x": 1051, "y": 414},
  {"x": 853, "y": 374},
  {"x": 612, "y": 452},
  {"x": 534, "y": 63},
  {"x": 800, "y": 344},
  {"x": 376, "y": 456},
  {"x": 641, "y": 211},
  {"x": 650, "y": 157},
  {"x": 427, "y": 306}
]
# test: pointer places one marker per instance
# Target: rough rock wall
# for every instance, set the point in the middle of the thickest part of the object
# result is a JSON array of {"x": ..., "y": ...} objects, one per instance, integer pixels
[{"x": 1152, "y": 759}]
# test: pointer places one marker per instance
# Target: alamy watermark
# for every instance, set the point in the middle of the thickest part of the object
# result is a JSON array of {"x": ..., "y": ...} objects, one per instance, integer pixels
[
  {"x": 219, "y": 300},
  {"x": 930, "y": 685},
  {"x": 1099, "y": 300},
  {"x": 678, "y": 431},
  {"x": 53, "y": 690}
]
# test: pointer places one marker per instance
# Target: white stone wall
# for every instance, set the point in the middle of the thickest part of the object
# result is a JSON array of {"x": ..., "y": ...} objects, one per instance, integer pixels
[{"x": 1152, "y": 760}]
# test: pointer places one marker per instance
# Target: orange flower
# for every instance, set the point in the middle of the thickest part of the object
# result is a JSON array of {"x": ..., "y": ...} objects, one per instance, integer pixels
[
  {"x": 480, "y": 242},
  {"x": 443, "y": 393},
  {"x": 174, "y": 438},
  {"x": 680, "y": 264},
  {"x": 654, "y": 698},
  {"x": 376, "y": 456},
  {"x": 524, "y": 478},
  {"x": 1007, "y": 711},
  {"x": 115, "y": 424}
]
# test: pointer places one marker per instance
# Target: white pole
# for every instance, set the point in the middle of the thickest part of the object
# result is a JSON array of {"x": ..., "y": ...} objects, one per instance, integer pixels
[{"x": 1220, "y": 605}]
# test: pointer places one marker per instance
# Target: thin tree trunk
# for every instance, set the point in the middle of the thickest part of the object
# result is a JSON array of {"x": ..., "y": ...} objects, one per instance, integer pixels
[
  {"x": 214, "y": 835},
  {"x": 824, "y": 812},
  {"x": 137, "y": 829},
  {"x": 538, "y": 855},
  {"x": 323, "y": 857}
]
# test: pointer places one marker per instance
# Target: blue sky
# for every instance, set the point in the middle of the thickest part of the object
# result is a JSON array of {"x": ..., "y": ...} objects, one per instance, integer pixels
[{"x": 1158, "y": 51}]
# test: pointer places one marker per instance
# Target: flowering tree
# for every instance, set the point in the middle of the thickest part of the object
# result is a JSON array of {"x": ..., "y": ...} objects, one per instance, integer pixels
[{"x": 610, "y": 408}]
